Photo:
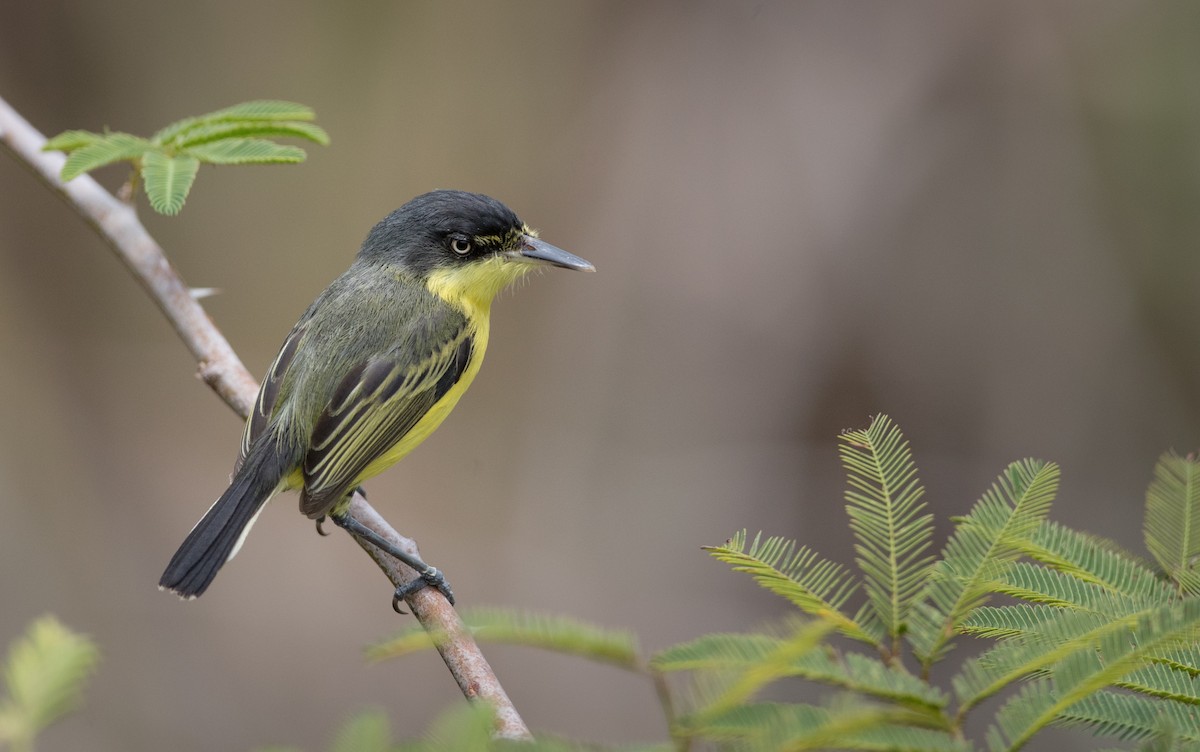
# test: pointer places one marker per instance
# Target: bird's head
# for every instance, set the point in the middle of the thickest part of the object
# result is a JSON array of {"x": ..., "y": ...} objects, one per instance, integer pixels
[{"x": 465, "y": 247}]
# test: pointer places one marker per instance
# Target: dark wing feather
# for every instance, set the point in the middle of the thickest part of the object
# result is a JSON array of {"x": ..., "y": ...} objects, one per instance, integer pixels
[
  {"x": 371, "y": 411},
  {"x": 268, "y": 393}
]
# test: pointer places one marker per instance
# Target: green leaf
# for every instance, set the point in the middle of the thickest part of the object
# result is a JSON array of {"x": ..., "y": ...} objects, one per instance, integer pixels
[
  {"x": 245, "y": 151},
  {"x": 817, "y": 586},
  {"x": 1172, "y": 526},
  {"x": 368, "y": 731},
  {"x": 71, "y": 140},
  {"x": 892, "y": 535},
  {"x": 1130, "y": 717},
  {"x": 246, "y": 111},
  {"x": 844, "y": 725},
  {"x": 1094, "y": 560},
  {"x": 207, "y": 132},
  {"x": 773, "y": 663},
  {"x": 45, "y": 673},
  {"x": 557, "y": 633},
  {"x": 168, "y": 180},
  {"x": 1087, "y": 663},
  {"x": 113, "y": 147},
  {"x": 983, "y": 546}
]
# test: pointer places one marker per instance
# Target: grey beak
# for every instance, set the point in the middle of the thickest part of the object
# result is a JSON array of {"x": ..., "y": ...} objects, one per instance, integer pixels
[{"x": 539, "y": 250}]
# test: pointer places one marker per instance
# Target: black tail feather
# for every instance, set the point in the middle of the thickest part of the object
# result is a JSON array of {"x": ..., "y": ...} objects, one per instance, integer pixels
[{"x": 214, "y": 538}]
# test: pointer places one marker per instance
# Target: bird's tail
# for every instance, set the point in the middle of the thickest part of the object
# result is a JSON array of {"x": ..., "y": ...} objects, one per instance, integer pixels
[{"x": 219, "y": 534}]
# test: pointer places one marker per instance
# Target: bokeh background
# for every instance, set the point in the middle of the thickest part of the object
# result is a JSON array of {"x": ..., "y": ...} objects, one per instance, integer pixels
[{"x": 980, "y": 218}]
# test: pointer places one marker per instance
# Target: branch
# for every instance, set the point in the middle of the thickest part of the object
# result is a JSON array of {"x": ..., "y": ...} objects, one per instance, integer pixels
[{"x": 117, "y": 224}]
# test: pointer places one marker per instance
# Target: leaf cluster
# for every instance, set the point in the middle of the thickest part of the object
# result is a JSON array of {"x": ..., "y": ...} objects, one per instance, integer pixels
[
  {"x": 43, "y": 677},
  {"x": 168, "y": 161},
  {"x": 1081, "y": 632}
]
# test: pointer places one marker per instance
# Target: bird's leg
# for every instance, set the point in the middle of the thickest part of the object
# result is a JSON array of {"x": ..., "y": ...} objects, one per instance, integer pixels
[
  {"x": 321, "y": 520},
  {"x": 428, "y": 575}
]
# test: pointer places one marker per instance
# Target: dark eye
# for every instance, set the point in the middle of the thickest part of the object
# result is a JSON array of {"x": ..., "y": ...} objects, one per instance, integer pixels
[{"x": 461, "y": 246}]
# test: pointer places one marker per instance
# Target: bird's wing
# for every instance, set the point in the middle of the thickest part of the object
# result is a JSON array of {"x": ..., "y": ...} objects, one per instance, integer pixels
[
  {"x": 264, "y": 404},
  {"x": 371, "y": 410}
]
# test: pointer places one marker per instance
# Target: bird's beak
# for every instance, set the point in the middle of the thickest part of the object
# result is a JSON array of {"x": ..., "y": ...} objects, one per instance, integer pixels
[{"x": 542, "y": 252}]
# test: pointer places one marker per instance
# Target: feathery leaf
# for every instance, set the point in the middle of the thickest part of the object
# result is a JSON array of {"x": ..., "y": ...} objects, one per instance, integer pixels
[
  {"x": 245, "y": 151},
  {"x": 557, "y": 633},
  {"x": 113, "y": 147},
  {"x": 1172, "y": 525},
  {"x": 45, "y": 673},
  {"x": 368, "y": 731},
  {"x": 71, "y": 140},
  {"x": 884, "y": 504},
  {"x": 817, "y": 586},
  {"x": 208, "y": 132},
  {"x": 980, "y": 550},
  {"x": 257, "y": 110},
  {"x": 167, "y": 180}
]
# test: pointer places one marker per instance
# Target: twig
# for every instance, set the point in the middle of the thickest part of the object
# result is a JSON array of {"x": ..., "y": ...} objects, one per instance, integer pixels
[{"x": 219, "y": 366}]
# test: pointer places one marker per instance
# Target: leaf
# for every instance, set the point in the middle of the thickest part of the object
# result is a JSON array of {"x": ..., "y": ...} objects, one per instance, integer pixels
[
  {"x": 207, "y": 132},
  {"x": 70, "y": 140},
  {"x": 983, "y": 546},
  {"x": 817, "y": 586},
  {"x": 1094, "y": 560},
  {"x": 168, "y": 180},
  {"x": 885, "y": 508},
  {"x": 265, "y": 109},
  {"x": 45, "y": 673},
  {"x": 368, "y": 731},
  {"x": 1172, "y": 525},
  {"x": 1086, "y": 662},
  {"x": 557, "y": 633},
  {"x": 758, "y": 660},
  {"x": 1129, "y": 717},
  {"x": 845, "y": 725},
  {"x": 245, "y": 151},
  {"x": 113, "y": 147}
]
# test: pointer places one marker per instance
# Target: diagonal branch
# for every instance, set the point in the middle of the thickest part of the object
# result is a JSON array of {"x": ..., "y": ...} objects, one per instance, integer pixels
[{"x": 117, "y": 224}]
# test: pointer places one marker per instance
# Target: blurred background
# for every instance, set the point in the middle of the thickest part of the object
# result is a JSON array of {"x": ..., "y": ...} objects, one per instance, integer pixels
[{"x": 979, "y": 218}]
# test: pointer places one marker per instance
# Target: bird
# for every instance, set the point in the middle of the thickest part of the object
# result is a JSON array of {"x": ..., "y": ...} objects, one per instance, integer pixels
[{"x": 369, "y": 371}]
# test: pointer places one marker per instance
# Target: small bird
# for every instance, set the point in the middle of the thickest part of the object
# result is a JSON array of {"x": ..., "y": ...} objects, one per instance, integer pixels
[{"x": 373, "y": 366}]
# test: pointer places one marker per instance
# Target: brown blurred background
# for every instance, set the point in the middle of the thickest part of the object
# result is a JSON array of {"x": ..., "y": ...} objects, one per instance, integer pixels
[{"x": 979, "y": 218}]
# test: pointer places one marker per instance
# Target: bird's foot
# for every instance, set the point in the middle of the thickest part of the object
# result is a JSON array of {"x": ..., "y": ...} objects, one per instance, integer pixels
[
  {"x": 426, "y": 575},
  {"x": 429, "y": 577},
  {"x": 320, "y": 530}
]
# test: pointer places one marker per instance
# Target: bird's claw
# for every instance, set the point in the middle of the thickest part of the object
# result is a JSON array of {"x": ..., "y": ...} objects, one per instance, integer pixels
[
  {"x": 320, "y": 530},
  {"x": 428, "y": 577}
]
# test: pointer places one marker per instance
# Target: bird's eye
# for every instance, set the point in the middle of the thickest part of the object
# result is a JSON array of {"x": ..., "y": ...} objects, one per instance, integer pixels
[{"x": 461, "y": 246}]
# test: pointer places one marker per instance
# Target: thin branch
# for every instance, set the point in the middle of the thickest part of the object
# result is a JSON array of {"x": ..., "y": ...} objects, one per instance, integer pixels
[{"x": 117, "y": 224}]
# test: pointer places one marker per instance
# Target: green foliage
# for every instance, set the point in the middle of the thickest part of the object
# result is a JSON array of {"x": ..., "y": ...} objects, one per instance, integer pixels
[
  {"x": 168, "y": 161},
  {"x": 44, "y": 677},
  {"x": 1097, "y": 637},
  {"x": 556, "y": 633},
  {"x": 1172, "y": 526},
  {"x": 885, "y": 509}
]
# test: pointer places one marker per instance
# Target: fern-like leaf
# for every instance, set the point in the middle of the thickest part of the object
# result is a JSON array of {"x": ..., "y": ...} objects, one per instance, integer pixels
[
  {"x": 71, "y": 140},
  {"x": 258, "y": 110},
  {"x": 368, "y": 731},
  {"x": 245, "y": 151},
  {"x": 45, "y": 673},
  {"x": 982, "y": 547},
  {"x": 757, "y": 662},
  {"x": 209, "y": 132},
  {"x": 557, "y": 633},
  {"x": 1172, "y": 525},
  {"x": 1130, "y": 717},
  {"x": 886, "y": 514},
  {"x": 843, "y": 725},
  {"x": 1001, "y": 622},
  {"x": 1101, "y": 662},
  {"x": 815, "y": 585},
  {"x": 168, "y": 180},
  {"x": 1161, "y": 680},
  {"x": 1094, "y": 560},
  {"x": 113, "y": 147}
]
